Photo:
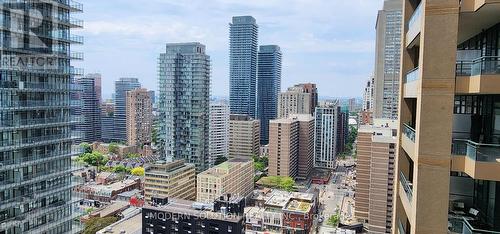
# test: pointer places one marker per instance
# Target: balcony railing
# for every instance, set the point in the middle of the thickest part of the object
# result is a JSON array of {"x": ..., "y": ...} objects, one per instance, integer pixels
[
  {"x": 476, "y": 227},
  {"x": 14, "y": 143},
  {"x": 487, "y": 65},
  {"x": 35, "y": 103},
  {"x": 412, "y": 75},
  {"x": 476, "y": 151},
  {"x": 407, "y": 186},
  {"x": 401, "y": 228},
  {"x": 409, "y": 132},
  {"x": 18, "y": 123},
  {"x": 414, "y": 24},
  {"x": 30, "y": 160}
]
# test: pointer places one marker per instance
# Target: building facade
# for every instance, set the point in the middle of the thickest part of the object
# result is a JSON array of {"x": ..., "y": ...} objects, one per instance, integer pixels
[
  {"x": 269, "y": 87},
  {"x": 296, "y": 100},
  {"x": 325, "y": 134},
  {"x": 283, "y": 147},
  {"x": 244, "y": 136},
  {"x": 306, "y": 145},
  {"x": 243, "y": 42},
  {"x": 122, "y": 86},
  {"x": 139, "y": 117},
  {"x": 36, "y": 122},
  {"x": 376, "y": 150},
  {"x": 184, "y": 103},
  {"x": 219, "y": 131},
  {"x": 449, "y": 100},
  {"x": 234, "y": 177},
  {"x": 171, "y": 179},
  {"x": 387, "y": 60},
  {"x": 90, "y": 110},
  {"x": 368, "y": 95}
]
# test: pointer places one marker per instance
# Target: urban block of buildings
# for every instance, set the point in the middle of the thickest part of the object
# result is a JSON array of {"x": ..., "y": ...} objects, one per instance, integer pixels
[
  {"x": 139, "y": 111},
  {"x": 244, "y": 136},
  {"x": 170, "y": 179}
]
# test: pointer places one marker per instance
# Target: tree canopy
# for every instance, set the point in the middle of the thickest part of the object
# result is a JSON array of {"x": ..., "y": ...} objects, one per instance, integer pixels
[
  {"x": 95, "y": 159},
  {"x": 137, "y": 171},
  {"x": 93, "y": 225}
]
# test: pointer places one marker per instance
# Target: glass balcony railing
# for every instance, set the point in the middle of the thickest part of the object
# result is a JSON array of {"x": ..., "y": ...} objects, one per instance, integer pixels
[
  {"x": 401, "y": 228},
  {"x": 471, "y": 226},
  {"x": 76, "y": 55},
  {"x": 412, "y": 75},
  {"x": 487, "y": 65},
  {"x": 36, "y": 103},
  {"x": 409, "y": 132},
  {"x": 476, "y": 151},
  {"x": 25, "y": 161},
  {"x": 407, "y": 186},
  {"x": 39, "y": 139},
  {"x": 414, "y": 24},
  {"x": 17, "y": 123}
]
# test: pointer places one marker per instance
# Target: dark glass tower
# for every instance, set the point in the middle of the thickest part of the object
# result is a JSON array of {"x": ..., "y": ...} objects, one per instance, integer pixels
[
  {"x": 243, "y": 65},
  {"x": 269, "y": 86}
]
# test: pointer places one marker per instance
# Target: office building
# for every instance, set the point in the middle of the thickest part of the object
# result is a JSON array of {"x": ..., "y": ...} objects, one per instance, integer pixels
[
  {"x": 36, "y": 122},
  {"x": 342, "y": 130},
  {"x": 243, "y": 41},
  {"x": 139, "y": 112},
  {"x": 244, "y": 136},
  {"x": 171, "y": 179},
  {"x": 387, "y": 60},
  {"x": 299, "y": 99},
  {"x": 269, "y": 87},
  {"x": 184, "y": 103},
  {"x": 234, "y": 177},
  {"x": 122, "y": 86},
  {"x": 283, "y": 147},
  {"x": 97, "y": 85},
  {"x": 192, "y": 217},
  {"x": 325, "y": 133},
  {"x": 376, "y": 149},
  {"x": 219, "y": 131},
  {"x": 449, "y": 100},
  {"x": 291, "y": 146},
  {"x": 90, "y": 110}
]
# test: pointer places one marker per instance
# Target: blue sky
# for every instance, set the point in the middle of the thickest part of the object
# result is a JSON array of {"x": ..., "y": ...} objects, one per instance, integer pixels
[{"x": 328, "y": 42}]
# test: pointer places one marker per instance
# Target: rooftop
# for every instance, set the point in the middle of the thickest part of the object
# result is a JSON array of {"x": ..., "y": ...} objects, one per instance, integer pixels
[
  {"x": 127, "y": 225},
  {"x": 186, "y": 207}
]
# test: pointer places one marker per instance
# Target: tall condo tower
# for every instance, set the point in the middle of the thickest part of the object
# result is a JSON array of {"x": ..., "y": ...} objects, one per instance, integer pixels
[
  {"x": 36, "y": 124},
  {"x": 122, "y": 86},
  {"x": 184, "y": 103},
  {"x": 90, "y": 126},
  {"x": 269, "y": 86},
  {"x": 387, "y": 60},
  {"x": 243, "y": 42}
]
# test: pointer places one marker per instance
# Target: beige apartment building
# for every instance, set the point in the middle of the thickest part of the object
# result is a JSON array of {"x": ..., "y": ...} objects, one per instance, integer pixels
[
  {"x": 234, "y": 177},
  {"x": 244, "y": 136},
  {"x": 448, "y": 155},
  {"x": 171, "y": 179},
  {"x": 297, "y": 100},
  {"x": 291, "y": 146},
  {"x": 139, "y": 121},
  {"x": 376, "y": 149},
  {"x": 283, "y": 147}
]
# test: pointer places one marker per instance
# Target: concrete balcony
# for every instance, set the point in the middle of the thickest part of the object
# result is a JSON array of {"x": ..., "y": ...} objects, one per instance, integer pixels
[
  {"x": 411, "y": 87},
  {"x": 408, "y": 140},
  {"x": 476, "y": 16},
  {"x": 414, "y": 27},
  {"x": 479, "y": 76},
  {"x": 406, "y": 194},
  {"x": 479, "y": 161},
  {"x": 475, "y": 5}
]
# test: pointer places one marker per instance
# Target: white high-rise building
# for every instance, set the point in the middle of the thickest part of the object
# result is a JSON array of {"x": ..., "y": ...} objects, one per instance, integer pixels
[
  {"x": 368, "y": 95},
  {"x": 326, "y": 122},
  {"x": 219, "y": 131}
]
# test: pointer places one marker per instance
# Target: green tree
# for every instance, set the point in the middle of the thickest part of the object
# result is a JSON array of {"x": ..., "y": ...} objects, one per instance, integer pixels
[
  {"x": 287, "y": 184},
  {"x": 86, "y": 147},
  {"x": 93, "y": 225},
  {"x": 95, "y": 159},
  {"x": 132, "y": 155},
  {"x": 113, "y": 148},
  {"x": 121, "y": 169},
  {"x": 334, "y": 220},
  {"x": 137, "y": 171}
]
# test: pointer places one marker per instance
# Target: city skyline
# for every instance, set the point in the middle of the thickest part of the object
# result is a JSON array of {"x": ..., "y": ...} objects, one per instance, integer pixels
[{"x": 312, "y": 51}]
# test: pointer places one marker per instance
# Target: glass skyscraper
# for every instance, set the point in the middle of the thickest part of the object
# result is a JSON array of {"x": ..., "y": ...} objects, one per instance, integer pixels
[
  {"x": 36, "y": 124},
  {"x": 120, "y": 119},
  {"x": 90, "y": 108},
  {"x": 243, "y": 43},
  {"x": 184, "y": 103},
  {"x": 269, "y": 86}
]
